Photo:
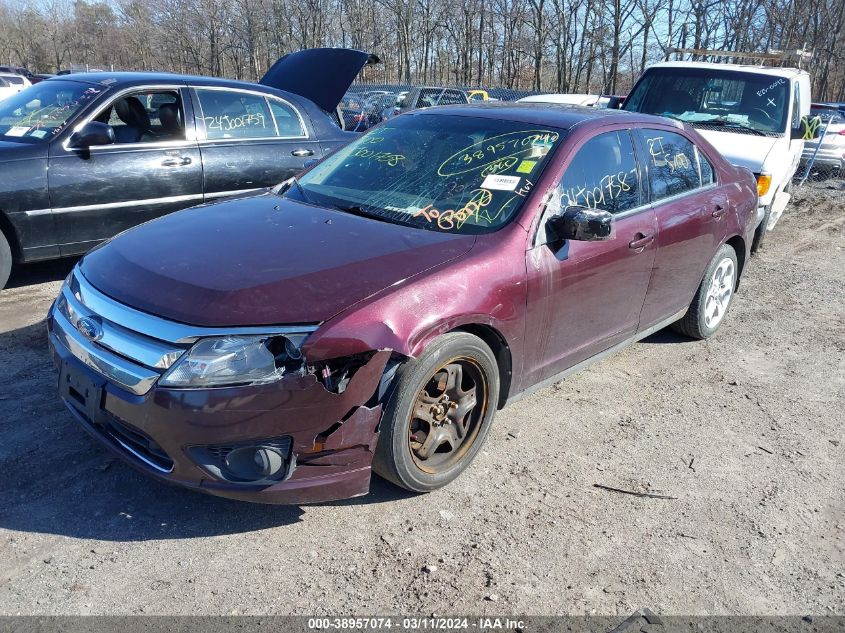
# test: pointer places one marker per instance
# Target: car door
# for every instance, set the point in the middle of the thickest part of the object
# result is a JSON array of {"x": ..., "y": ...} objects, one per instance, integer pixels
[
  {"x": 153, "y": 168},
  {"x": 584, "y": 297},
  {"x": 249, "y": 140},
  {"x": 690, "y": 208}
]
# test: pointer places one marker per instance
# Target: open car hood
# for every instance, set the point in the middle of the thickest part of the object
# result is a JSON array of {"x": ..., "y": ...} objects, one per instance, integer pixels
[{"x": 322, "y": 75}]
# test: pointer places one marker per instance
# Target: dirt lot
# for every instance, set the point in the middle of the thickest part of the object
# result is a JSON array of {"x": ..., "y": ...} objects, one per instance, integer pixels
[{"x": 745, "y": 430}]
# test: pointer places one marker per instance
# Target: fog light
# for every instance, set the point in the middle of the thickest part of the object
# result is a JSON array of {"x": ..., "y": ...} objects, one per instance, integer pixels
[{"x": 255, "y": 462}]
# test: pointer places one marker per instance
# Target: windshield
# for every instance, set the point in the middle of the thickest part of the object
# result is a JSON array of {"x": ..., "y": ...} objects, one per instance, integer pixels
[
  {"x": 716, "y": 99},
  {"x": 443, "y": 173},
  {"x": 41, "y": 111}
]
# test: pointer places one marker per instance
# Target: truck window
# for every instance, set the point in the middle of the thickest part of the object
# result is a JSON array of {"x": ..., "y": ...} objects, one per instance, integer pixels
[
  {"x": 711, "y": 98},
  {"x": 796, "y": 108}
]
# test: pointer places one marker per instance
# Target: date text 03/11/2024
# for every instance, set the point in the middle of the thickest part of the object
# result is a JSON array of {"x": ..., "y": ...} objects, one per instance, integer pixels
[{"x": 433, "y": 623}]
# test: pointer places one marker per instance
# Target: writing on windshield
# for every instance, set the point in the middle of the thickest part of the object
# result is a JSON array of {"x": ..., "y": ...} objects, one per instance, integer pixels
[
  {"x": 43, "y": 110},
  {"x": 438, "y": 172}
]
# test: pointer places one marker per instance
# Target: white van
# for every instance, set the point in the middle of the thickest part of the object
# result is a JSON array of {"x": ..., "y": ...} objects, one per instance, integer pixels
[{"x": 751, "y": 114}]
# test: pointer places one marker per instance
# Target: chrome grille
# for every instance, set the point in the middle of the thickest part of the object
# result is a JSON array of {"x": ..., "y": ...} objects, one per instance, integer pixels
[{"x": 131, "y": 348}]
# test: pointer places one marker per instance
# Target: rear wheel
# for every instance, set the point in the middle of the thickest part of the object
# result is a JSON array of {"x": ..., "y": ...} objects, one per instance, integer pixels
[
  {"x": 5, "y": 260},
  {"x": 439, "y": 414},
  {"x": 713, "y": 298}
]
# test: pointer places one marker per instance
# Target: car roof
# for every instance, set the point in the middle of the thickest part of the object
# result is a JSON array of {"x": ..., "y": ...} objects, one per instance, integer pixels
[
  {"x": 141, "y": 77},
  {"x": 562, "y": 116},
  {"x": 745, "y": 68}
]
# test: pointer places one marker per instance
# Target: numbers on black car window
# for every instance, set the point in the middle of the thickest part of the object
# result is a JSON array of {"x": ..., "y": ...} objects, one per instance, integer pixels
[
  {"x": 672, "y": 167},
  {"x": 603, "y": 175},
  {"x": 231, "y": 114}
]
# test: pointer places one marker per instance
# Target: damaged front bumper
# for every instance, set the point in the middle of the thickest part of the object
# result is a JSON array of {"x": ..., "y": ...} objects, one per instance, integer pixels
[{"x": 308, "y": 442}]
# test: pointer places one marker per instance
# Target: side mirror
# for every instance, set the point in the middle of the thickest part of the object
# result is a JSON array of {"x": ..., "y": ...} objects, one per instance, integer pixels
[
  {"x": 581, "y": 224},
  {"x": 93, "y": 133},
  {"x": 615, "y": 103},
  {"x": 808, "y": 129}
]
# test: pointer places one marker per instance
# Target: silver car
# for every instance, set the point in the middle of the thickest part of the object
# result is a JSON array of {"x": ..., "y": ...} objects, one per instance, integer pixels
[{"x": 831, "y": 147}]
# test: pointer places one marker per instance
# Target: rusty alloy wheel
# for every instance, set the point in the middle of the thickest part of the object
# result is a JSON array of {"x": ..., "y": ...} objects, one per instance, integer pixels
[{"x": 447, "y": 415}]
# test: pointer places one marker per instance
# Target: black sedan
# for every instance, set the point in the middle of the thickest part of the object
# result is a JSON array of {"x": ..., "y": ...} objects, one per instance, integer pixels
[{"x": 86, "y": 156}]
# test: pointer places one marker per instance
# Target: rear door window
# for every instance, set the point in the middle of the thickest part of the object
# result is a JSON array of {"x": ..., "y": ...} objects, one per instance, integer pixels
[
  {"x": 603, "y": 175},
  {"x": 288, "y": 123},
  {"x": 672, "y": 164},
  {"x": 229, "y": 114}
]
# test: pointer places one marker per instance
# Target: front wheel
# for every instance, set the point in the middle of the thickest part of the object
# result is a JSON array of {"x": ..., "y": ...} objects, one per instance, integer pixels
[
  {"x": 439, "y": 414},
  {"x": 713, "y": 297}
]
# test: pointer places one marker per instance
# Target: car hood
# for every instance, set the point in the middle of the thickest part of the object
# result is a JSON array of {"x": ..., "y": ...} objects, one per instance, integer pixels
[
  {"x": 261, "y": 261},
  {"x": 743, "y": 150},
  {"x": 335, "y": 67},
  {"x": 10, "y": 150}
]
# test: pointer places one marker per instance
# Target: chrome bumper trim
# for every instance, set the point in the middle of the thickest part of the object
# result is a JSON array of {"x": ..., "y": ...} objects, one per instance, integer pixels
[
  {"x": 135, "y": 378},
  {"x": 138, "y": 455},
  {"x": 135, "y": 346}
]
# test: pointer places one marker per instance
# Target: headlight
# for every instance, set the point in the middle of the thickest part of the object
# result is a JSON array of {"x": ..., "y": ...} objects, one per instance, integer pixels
[{"x": 236, "y": 360}]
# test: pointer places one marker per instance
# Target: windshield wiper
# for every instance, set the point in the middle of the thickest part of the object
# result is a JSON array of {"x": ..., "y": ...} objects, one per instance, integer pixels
[
  {"x": 292, "y": 182},
  {"x": 724, "y": 123},
  {"x": 357, "y": 209}
]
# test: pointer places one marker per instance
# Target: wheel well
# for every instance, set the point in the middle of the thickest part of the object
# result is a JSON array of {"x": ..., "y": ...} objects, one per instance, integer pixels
[
  {"x": 11, "y": 236},
  {"x": 496, "y": 342},
  {"x": 738, "y": 244}
]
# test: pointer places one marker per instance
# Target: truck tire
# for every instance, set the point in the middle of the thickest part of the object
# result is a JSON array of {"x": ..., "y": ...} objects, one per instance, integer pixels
[{"x": 5, "y": 260}]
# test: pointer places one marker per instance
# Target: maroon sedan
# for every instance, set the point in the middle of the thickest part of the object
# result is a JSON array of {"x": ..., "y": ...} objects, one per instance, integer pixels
[{"x": 375, "y": 312}]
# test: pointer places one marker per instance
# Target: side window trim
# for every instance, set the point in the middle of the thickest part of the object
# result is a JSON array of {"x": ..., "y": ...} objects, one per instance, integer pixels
[{"x": 700, "y": 155}]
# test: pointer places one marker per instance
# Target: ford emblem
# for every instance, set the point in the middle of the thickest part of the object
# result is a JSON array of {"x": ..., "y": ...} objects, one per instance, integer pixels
[{"x": 89, "y": 328}]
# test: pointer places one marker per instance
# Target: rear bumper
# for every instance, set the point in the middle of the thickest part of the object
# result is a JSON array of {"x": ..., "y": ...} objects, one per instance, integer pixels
[{"x": 329, "y": 437}]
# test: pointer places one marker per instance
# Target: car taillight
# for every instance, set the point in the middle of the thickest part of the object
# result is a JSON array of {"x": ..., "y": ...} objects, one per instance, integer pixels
[
  {"x": 842, "y": 132},
  {"x": 764, "y": 181}
]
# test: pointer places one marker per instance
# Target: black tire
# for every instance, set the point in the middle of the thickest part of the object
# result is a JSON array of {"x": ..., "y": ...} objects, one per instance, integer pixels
[
  {"x": 696, "y": 323},
  {"x": 395, "y": 458},
  {"x": 761, "y": 232},
  {"x": 5, "y": 260}
]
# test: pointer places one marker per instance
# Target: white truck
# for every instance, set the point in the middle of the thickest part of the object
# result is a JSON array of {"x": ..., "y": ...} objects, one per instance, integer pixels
[{"x": 751, "y": 114}]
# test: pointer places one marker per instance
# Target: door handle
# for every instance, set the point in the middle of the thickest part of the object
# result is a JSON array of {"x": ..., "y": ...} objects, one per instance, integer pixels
[
  {"x": 176, "y": 162},
  {"x": 302, "y": 152},
  {"x": 719, "y": 212},
  {"x": 641, "y": 240}
]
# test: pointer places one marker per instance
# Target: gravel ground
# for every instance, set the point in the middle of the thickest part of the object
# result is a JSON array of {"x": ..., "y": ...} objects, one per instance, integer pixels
[{"x": 744, "y": 431}]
